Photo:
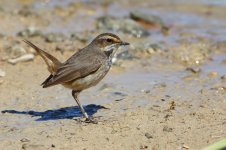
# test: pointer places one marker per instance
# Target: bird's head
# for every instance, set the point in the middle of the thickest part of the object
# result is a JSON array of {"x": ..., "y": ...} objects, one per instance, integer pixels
[{"x": 108, "y": 43}]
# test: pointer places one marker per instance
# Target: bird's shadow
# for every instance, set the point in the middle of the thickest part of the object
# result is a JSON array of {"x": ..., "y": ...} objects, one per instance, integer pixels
[{"x": 62, "y": 113}]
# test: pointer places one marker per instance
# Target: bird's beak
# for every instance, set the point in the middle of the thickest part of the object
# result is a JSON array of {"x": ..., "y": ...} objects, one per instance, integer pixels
[{"x": 124, "y": 43}]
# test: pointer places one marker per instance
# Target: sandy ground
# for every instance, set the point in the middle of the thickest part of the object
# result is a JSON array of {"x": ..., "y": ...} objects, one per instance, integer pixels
[{"x": 158, "y": 101}]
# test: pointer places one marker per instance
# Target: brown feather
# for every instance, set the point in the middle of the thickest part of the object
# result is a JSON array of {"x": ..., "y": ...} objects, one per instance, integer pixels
[
  {"x": 77, "y": 66},
  {"x": 52, "y": 62}
]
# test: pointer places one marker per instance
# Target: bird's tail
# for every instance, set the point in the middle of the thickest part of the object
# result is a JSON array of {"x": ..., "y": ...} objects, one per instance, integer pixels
[{"x": 52, "y": 62}]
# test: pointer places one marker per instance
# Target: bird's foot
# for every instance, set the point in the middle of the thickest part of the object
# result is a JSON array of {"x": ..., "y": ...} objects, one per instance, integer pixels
[
  {"x": 86, "y": 120},
  {"x": 91, "y": 120}
]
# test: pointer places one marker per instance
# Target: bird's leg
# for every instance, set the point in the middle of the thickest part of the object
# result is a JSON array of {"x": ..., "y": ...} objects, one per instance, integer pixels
[
  {"x": 88, "y": 119},
  {"x": 75, "y": 95}
]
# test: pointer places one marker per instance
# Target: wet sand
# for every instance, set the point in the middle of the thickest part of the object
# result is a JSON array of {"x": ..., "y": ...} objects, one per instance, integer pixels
[{"x": 167, "y": 92}]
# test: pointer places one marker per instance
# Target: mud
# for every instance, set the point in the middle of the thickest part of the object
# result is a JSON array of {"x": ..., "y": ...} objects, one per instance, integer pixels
[{"x": 165, "y": 91}]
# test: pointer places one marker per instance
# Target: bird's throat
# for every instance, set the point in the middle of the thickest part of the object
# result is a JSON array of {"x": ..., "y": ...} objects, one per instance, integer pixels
[{"x": 109, "y": 52}]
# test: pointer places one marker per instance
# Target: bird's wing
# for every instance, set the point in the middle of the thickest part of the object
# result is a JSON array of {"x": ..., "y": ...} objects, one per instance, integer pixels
[{"x": 76, "y": 67}]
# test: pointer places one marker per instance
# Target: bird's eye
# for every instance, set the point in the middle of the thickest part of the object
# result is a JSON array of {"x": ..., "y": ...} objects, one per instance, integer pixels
[{"x": 109, "y": 40}]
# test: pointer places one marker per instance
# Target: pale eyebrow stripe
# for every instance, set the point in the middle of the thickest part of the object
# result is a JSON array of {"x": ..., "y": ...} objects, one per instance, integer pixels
[{"x": 109, "y": 37}]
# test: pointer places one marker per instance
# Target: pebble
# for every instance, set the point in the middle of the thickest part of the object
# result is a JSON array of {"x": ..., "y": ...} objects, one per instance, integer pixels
[
  {"x": 146, "y": 47},
  {"x": 160, "y": 85},
  {"x": 82, "y": 37},
  {"x": 143, "y": 147},
  {"x": 30, "y": 32},
  {"x": 33, "y": 147},
  {"x": 124, "y": 25},
  {"x": 148, "y": 135},
  {"x": 223, "y": 77},
  {"x": 54, "y": 37},
  {"x": 26, "y": 11},
  {"x": 106, "y": 87},
  {"x": 17, "y": 51},
  {"x": 26, "y": 57},
  {"x": 212, "y": 74},
  {"x": 172, "y": 105},
  {"x": 2, "y": 73},
  {"x": 219, "y": 46},
  {"x": 145, "y": 91},
  {"x": 167, "y": 129},
  {"x": 147, "y": 18},
  {"x": 24, "y": 140},
  {"x": 185, "y": 147},
  {"x": 120, "y": 94},
  {"x": 193, "y": 70}
]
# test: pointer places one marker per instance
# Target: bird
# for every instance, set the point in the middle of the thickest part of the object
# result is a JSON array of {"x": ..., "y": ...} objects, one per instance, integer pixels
[{"x": 84, "y": 69}]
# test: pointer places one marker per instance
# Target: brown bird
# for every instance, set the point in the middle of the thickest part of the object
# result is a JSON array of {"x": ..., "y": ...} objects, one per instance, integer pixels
[{"x": 85, "y": 68}]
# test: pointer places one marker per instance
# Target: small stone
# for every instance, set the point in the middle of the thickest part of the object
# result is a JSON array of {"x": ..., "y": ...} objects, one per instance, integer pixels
[
  {"x": 143, "y": 147},
  {"x": 26, "y": 11},
  {"x": 212, "y": 74},
  {"x": 31, "y": 146},
  {"x": 168, "y": 96},
  {"x": 2, "y": 73},
  {"x": 185, "y": 147},
  {"x": 120, "y": 94},
  {"x": 165, "y": 30},
  {"x": 216, "y": 86},
  {"x": 167, "y": 129},
  {"x": 223, "y": 77},
  {"x": 24, "y": 140},
  {"x": 26, "y": 57},
  {"x": 148, "y": 18},
  {"x": 17, "y": 51},
  {"x": 172, "y": 105},
  {"x": 124, "y": 25},
  {"x": 55, "y": 37},
  {"x": 167, "y": 116},
  {"x": 149, "y": 21},
  {"x": 106, "y": 87},
  {"x": 219, "y": 46},
  {"x": 148, "y": 135},
  {"x": 145, "y": 91},
  {"x": 82, "y": 37},
  {"x": 193, "y": 70},
  {"x": 60, "y": 49},
  {"x": 155, "y": 105},
  {"x": 160, "y": 85},
  {"x": 154, "y": 46},
  {"x": 146, "y": 48},
  {"x": 30, "y": 32}
]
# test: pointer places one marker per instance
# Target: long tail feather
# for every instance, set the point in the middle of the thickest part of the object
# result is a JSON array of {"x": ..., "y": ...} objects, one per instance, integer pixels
[{"x": 52, "y": 62}]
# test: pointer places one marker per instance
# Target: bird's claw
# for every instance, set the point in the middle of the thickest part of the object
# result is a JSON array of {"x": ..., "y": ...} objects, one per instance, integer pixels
[{"x": 91, "y": 120}]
